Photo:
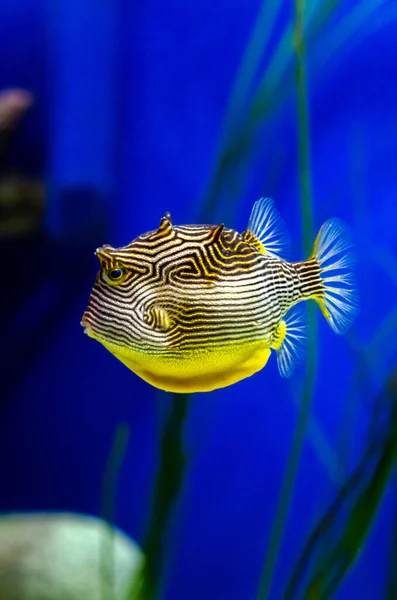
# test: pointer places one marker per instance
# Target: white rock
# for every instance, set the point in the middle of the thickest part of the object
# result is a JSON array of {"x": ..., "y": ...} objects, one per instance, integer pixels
[{"x": 61, "y": 556}]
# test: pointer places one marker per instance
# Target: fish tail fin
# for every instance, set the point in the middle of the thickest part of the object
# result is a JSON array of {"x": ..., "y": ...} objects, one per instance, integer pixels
[{"x": 328, "y": 275}]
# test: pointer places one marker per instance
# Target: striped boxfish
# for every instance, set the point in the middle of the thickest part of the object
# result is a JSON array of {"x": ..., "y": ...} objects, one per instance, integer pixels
[{"x": 193, "y": 308}]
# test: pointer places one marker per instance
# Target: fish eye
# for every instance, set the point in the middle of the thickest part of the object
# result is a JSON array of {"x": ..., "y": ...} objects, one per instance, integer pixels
[{"x": 115, "y": 275}]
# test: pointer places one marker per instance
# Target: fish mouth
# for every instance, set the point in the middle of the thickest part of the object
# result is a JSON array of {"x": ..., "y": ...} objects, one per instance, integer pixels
[{"x": 86, "y": 324}]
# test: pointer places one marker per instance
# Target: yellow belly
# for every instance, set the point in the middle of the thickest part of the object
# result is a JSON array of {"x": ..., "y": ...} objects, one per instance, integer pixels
[{"x": 199, "y": 371}]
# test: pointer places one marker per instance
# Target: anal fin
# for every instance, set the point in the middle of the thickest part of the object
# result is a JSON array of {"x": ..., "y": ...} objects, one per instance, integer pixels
[{"x": 289, "y": 342}]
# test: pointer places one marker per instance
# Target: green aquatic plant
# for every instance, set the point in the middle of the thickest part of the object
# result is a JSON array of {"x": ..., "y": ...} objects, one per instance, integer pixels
[
  {"x": 309, "y": 381},
  {"x": 356, "y": 505},
  {"x": 391, "y": 590},
  {"x": 108, "y": 510},
  {"x": 167, "y": 486},
  {"x": 250, "y": 108}
]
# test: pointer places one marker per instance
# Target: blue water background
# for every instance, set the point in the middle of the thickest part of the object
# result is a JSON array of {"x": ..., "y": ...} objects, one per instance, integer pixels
[{"x": 130, "y": 98}]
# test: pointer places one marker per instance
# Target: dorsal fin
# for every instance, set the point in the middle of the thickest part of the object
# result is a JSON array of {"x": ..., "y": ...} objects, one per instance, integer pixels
[
  {"x": 165, "y": 226},
  {"x": 251, "y": 239},
  {"x": 215, "y": 233},
  {"x": 266, "y": 229}
]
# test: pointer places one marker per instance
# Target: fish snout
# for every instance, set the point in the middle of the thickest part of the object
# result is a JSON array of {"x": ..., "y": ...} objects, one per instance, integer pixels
[{"x": 85, "y": 322}]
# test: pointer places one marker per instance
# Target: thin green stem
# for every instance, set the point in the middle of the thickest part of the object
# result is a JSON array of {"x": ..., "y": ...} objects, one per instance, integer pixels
[
  {"x": 330, "y": 574},
  {"x": 391, "y": 592},
  {"x": 350, "y": 515},
  {"x": 237, "y": 105},
  {"x": 307, "y": 219},
  {"x": 109, "y": 494},
  {"x": 239, "y": 133},
  {"x": 167, "y": 487},
  {"x": 303, "y": 130}
]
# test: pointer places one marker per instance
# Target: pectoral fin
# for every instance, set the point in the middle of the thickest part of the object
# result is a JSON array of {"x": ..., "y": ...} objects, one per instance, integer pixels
[{"x": 158, "y": 318}]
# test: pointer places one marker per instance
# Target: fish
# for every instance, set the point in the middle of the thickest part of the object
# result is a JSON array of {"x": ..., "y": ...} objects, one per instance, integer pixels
[{"x": 195, "y": 308}]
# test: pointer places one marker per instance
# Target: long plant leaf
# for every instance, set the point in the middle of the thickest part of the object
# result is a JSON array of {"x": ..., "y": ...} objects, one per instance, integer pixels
[
  {"x": 356, "y": 503},
  {"x": 167, "y": 486},
  {"x": 307, "y": 220}
]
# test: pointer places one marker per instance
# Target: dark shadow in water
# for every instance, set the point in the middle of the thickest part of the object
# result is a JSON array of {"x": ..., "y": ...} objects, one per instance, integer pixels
[{"x": 45, "y": 276}]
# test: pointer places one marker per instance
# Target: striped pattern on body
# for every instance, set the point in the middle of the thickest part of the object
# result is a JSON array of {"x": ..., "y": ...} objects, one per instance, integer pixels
[{"x": 193, "y": 287}]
